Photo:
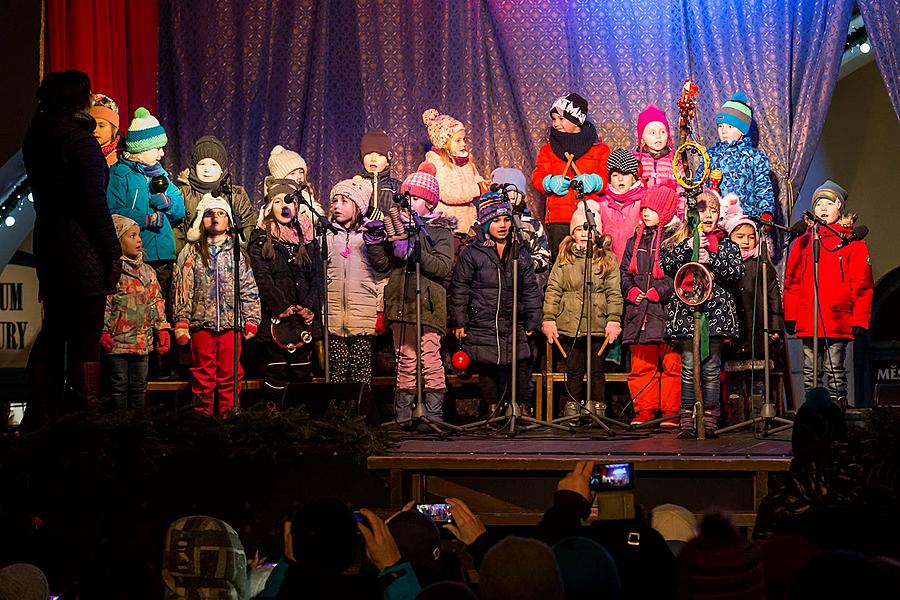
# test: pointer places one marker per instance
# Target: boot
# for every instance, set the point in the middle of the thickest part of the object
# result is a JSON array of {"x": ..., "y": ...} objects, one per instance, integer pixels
[
  {"x": 403, "y": 402},
  {"x": 841, "y": 401},
  {"x": 87, "y": 385},
  {"x": 434, "y": 406}
]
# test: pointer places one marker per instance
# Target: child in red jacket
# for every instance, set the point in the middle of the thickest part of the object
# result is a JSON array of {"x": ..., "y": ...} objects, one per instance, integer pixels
[
  {"x": 570, "y": 133},
  {"x": 845, "y": 291}
]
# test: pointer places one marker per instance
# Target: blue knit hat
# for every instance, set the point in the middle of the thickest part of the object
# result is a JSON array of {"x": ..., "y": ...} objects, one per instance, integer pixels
[
  {"x": 491, "y": 206},
  {"x": 736, "y": 113},
  {"x": 145, "y": 132},
  {"x": 509, "y": 175}
]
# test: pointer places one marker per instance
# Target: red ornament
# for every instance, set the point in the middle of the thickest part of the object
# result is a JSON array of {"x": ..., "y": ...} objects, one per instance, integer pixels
[{"x": 460, "y": 360}]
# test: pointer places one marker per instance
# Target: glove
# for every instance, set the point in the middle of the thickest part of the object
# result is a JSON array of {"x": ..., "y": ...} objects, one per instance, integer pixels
[
  {"x": 380, "y": 323},
  {"x": 160, "y": 202},
  {"x": 556, "y": 184},
  {"x": 155, "y": 220},
  {"x": 633, "y": 294},
  {"x": 859, "y": 331},
  {"x": 613, "y": 330},
  {"x": 163, "y": 341},
  {"x": 249, "y": 330},
  {"x": 182, "y": 333},
  {"x": 401, "y": 248},
  {"x": 652, "y": 295},
  {"x": 590, "y": 182},
  {"x": 374, "y": 233},
  {"x": 790, "y": 327},
  {"x": 106, "y": 341}
]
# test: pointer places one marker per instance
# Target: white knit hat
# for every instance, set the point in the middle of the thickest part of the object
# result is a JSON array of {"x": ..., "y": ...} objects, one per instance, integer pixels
[
  {"x": 360, "y": 194},
  {"x": 122, "y": 224},
  {"x": 208, "y": 202},
  {"x": 282, "y": 161}
]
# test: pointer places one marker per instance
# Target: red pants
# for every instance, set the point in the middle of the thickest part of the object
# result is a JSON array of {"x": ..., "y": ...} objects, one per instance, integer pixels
[
  {"x": 213, "y": 370},
  {"x": 655, "y": 380}
]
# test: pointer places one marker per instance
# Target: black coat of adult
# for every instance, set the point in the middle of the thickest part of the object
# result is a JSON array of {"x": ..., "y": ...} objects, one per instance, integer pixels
[
  {"x": 75, "y": 246},
  {"x": 481, "y": 299},
  {"x": 727, "y": 267},
  {"x": 644, "y": 323},
  {"x": 283, "y": 283},
  {"x": 749, "y": 283}
]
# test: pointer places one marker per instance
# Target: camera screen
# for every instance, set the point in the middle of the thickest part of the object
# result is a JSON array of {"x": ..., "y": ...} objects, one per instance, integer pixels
[
  {"x": 611, "y": 477},
  {"x": 439, "y": 513}
]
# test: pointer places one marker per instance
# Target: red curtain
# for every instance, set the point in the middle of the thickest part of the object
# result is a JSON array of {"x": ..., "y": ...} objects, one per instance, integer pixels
[{"x": 113, "y": 41}]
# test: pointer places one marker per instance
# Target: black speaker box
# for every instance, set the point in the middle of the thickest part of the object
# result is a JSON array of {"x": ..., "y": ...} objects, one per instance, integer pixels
[{"x": 316, "y": 396}]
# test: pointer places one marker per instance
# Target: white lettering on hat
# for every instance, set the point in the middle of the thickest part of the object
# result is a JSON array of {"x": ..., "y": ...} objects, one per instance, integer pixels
[{"x": 564, "y": 105}]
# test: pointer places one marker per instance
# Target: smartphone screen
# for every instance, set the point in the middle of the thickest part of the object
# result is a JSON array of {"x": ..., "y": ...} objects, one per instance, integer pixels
[
  {"x": 439, "y": 513},
  {"x": 605, "y": 478}
]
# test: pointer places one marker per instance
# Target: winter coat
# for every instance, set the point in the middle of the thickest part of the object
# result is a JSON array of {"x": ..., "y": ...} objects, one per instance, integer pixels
[
  {"x": 645, "y": 323},
  {"x": 745, "y": 172},
  {"x": 845, "y": 285},
  {"x": 534, "y": 237},
  {"x": 282, "y": 283},
  {"x": 481, "y": 299},
  {"x": 352, "y": 285},
  {"x": 75, "y": 244},
  {"x": 561, "y": 208},
  {"x": 242, "y": 205},
  {"x": 459, "y": 187},
  {"x": 135, "y": 310},
  {"x": 727, "y": 268},
  {"x": 747, "y": 287},
  {"x": 129, "y": 195},
  {"x": 565, "y": 292},
  {"x": 656, "y": 170},
  {"x": 387, "y": 187},
  {"x": 619, "y": 220},
  {"x": 204, "y": 295},
  {"x": 436, "y": 264}
]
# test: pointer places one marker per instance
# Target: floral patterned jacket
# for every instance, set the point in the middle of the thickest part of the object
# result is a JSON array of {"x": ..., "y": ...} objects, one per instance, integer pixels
[{"x": 135, "y": 310}]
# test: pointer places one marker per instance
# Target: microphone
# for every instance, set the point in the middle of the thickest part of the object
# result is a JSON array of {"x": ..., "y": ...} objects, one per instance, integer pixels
[
  {"x": 296, "y": 194},
  {"x": 798, "y": 228},
  {"x": 859, "y": 233},
  {"x": 502, "y": 187},
  {"x": 591, "y": 225},
  {"x": 402, "y": 199},
  {"x": 814, "y": 218},
  {"x": 224, "y": 186},
  {"x": 577, "y": 184}
]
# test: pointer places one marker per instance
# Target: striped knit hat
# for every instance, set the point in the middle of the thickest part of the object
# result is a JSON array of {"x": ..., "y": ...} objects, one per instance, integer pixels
[
  {"x": 423, "y": 184},
  {"x": 491, "y": 206},
  {"x": 145, "y": 132},
  {"x": 622, "y": 161},
  {"x": 736, "y": 113}
]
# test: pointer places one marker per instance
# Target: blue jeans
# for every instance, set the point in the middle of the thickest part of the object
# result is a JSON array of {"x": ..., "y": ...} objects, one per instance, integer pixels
[
  {"x": 127, "y": 380},
  {"x": 832, "y": 370},
  {"x": 710, "y": 370}
]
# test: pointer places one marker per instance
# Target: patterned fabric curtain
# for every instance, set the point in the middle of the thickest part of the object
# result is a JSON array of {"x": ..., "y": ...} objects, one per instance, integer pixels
[
  {"x": 882, "y": 19},
  {"x": 314, "y": 76}
]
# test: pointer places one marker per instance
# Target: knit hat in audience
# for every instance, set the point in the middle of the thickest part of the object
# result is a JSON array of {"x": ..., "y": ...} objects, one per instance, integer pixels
[
  {"x": 325, "y": 537},
  {"x": 736, "y": 113},
  {"x": 378, "y": 142},
  {"x": 507, "y": 175},
  {"x": 355, "y": 190},
  {"x": 571, "y": 107},
  {"x": 579, "y": 218},
  {"x": 651, "y": 114},
  {"x": 440, "y": 127},
  {"x": 207, "y": 202},
  {"x": 520, "y": 568},
  {"x": 490, "y": 206},
  {"x": 209, "y": 146},
  {"x": 621, "y": 160},
  {"x": 833, "y": 192},
  {"x": 419, "y": 542},
  {"x": 122, "y": 224},
  {"x": 587, "y": 569},
  {"x": 675, "y": 523},
  {"x": 103, "y": 107},
  {"x": 720, "y": 563},
  {"x": 819, "y": 424},
  {"x": 22, "y": 581},
  {"x": 204, "y": 558},
  {"x": 423, "y": 184},
  {"x": 144, "y": 133},
  {"x": 282, "y": 161}
]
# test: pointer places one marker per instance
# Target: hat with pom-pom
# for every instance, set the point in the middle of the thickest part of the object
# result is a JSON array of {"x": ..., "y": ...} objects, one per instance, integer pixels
[
  {"x": 145, "y": 132},
  {"x": 440, "y": 127},
  {"x": 733, "y": 213},
  {"x": 736, "y": 113},
  {"x": 282, "y": 161},
  {"x": 663, "y": 200},
  {"x": 423, "y": 184},
  {"x": 208, "y": 202}
]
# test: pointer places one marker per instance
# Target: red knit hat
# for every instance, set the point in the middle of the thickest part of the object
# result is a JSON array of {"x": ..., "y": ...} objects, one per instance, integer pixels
[
  {"x": 423, "y": 184},
  {"x": 649, "y": 115},
  {"x": 663, "y": 200}
]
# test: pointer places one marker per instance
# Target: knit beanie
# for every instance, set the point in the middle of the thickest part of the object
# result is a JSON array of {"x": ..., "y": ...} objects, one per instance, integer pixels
[
  {"x": 507, "y": 175},
  {"x": 144, "y": 133},
  {"x": 423, "y": 184},
  {"x": 663, "y": 200},
  {"x": 378, "y": 142},
  {"x": 587, "y": 569},
  {"x": 732, "y": 214},
  {"x": 720, "y": 563},
  {"x": 490, "y": 206},
  {"x": 204, "y": 558},
  {"x": 649, "y": 115},
  {"x": 833, "y": 192},
  {"x": 122, "y": 224},
  {"x": 736, "y": 113},
  {"x": 103, "y": 107},
  {"x": 325, "y": 536},
  {"x": 572, "y": 107},
  {"x": 579, "y": 218},
  {"x": 520, "y": 568},
  {"x": 282, "y": 161},
  {"x": 440, "y": 127},
  {"x": 209, "y": 146},
  {"x": 419, "y": 542},
  {"x": 621, "y": 160},
  {"x": 22, "y": 581},
  {"x": 207, "y": 202},
  {"x": 360, "y": 194}
]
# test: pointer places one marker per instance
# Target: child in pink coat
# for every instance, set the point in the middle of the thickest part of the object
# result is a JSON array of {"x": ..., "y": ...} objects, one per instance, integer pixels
[{"x": 620, "y": 208}]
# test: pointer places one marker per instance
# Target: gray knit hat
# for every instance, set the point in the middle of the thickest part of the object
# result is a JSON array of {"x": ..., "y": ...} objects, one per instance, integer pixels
[
  {"x": 360, "y": 194},
  {"x": 833, "y": 192}
]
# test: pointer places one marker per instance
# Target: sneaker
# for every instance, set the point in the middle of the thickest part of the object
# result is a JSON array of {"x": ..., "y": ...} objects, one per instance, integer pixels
[
  {"x": 635, "y": 422},
  {"x": 599, "y": 408},
  {"x": 686, "y": 434},
  {"x": 669, "y": 425},
  {"x": 570, "y": 409}
]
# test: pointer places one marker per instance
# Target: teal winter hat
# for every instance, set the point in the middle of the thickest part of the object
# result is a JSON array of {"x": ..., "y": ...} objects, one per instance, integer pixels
[
  {"x": 736, "y": 113},
  {"x": 145, "y": 132}
]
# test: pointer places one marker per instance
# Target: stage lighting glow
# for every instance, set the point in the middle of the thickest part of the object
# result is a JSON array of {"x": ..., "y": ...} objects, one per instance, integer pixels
[
  {"x": 10, "y": 221},
  {"x": 865, "y": 47}
]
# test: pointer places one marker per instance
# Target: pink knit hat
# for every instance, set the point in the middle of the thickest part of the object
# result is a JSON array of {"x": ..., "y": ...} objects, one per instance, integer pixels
[
  {"x": 649, "y": 115},
  {"x": 579, "y": 218},
  {"x": 423, "y": 184},
  {"x": 663, "y": 200},
  {"x": 440, "y": 127}
]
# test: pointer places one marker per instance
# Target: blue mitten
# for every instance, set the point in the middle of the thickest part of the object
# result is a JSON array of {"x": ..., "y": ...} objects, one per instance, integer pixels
[
  {"x": 160, "y": 201},
  {"x": 556, "y": 184},
  {"x": 591, "y": 182}
]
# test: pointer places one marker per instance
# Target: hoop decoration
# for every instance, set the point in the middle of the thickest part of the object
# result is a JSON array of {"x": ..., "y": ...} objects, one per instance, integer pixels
[
  {"x": 693, "y": 284},
  {"x": 676, "y": 170},
  {"x": 291, "y": 333}
]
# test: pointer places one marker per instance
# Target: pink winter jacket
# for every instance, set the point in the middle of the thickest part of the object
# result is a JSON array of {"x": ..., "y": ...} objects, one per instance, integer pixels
[
  {"x": 620, "y": 215},
  {"x": 459, "y": 186}
]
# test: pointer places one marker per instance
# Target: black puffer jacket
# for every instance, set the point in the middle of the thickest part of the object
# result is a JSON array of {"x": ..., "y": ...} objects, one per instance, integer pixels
[
  {"x": 282, "y": 283},
  {"x": 744, "y": 293},
  {"x": 644, "y": 323},
  {"x": 75, "y": 244},
  {"x": 727, "y": 268},
  {"x": 387, "y": 187},
  {"x": 481, "y": 300}
]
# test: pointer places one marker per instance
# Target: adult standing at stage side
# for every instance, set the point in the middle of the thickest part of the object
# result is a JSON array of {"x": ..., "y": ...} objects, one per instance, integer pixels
[{"x": 76, "y": 251}]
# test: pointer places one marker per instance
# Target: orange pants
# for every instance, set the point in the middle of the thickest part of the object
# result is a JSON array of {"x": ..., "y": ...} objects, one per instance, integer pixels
[{"x": 655, "y": 380}]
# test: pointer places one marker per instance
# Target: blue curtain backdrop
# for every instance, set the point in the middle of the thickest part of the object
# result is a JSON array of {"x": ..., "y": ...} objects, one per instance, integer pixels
[
  {"x": 314, "y": 76},
  {"x": 882, "y": 20}
]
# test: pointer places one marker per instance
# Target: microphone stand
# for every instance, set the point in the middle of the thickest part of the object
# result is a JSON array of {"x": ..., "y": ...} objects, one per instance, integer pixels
[{"x": 237, "y": 237}]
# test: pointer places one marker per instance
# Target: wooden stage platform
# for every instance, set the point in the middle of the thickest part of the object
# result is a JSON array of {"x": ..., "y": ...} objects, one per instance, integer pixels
[{"x": 511, "y": 481}]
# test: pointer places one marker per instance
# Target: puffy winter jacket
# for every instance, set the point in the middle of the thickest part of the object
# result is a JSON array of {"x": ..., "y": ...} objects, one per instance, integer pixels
[
  {"x": 481, "y": 299},
  {"x": 745, "y": 172},
  {"x": 645, "y": 323},
  {"x": 656, "y": 170},
  {"x": 561, "y": 208},
  {"x": 352, "y": 285},
  {"x": 135, "y": 310},
  {"x": 242, "y": 205},
  {"x": 563, "y": 301},
  {"x": 845, "y": 285},
  {"x": 619, "y": 216},
  {"x": 749, "y": 297},
  {"x": 459, "y": 187},
  {"x": 387, "y": 187},
  {"x": 129, "y": 195}
]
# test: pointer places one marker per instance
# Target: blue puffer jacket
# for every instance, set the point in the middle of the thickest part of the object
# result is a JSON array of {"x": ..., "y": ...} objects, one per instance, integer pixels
[
  {"x": 129, "y": 195},
  {"x": 745, "y": 171}
]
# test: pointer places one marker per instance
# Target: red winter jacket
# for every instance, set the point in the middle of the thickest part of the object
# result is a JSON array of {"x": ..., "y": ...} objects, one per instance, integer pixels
[
  {"x": 845, "y": 286},
  {"x": 561, "y": 208}
]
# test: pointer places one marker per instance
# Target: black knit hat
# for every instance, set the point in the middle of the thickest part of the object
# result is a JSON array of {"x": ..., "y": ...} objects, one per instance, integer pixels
[
  {"x": 622, "y": 161},
  {"x": 572, "y": 107},
  {"x": 209, "y": 146}
]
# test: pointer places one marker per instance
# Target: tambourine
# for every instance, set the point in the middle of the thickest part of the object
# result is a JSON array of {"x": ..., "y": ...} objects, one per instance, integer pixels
[
  {"x": 693, "y": 284},
  {"x": 677, "y": 171},
  {"x": 291, "y": 332}
]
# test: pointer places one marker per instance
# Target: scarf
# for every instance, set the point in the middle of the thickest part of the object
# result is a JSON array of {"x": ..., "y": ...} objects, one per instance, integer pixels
[
  {"x": 627, "y": 198},
  {"x": 714, "y": 238},
  {"x": 149, "y": 170},
  {"x": 576, "y": 144},
  {"x": 654, "y": 251},
  {"x": 461, "y": 160},
  {"x": 204, "y": 187},
  {"x": 288, "y": 235},
  {"x": 111, "y": 146},
  {"x": 748, "y": 254}
]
